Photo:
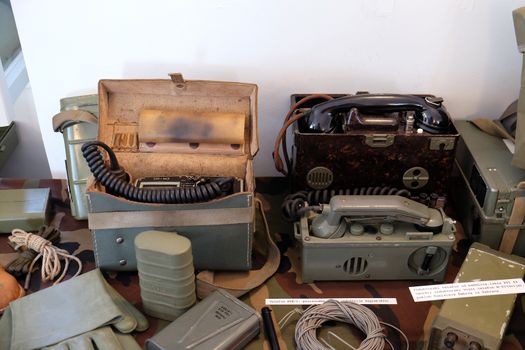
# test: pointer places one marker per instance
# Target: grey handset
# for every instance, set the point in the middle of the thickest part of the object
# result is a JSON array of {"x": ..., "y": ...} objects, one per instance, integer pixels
[{"x": 334, "y": 217}]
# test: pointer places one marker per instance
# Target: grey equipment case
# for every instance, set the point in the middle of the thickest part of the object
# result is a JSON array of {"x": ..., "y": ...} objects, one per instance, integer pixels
[
  {"x": 486, "y": 190},
  {"x": 220, "y": 230}
]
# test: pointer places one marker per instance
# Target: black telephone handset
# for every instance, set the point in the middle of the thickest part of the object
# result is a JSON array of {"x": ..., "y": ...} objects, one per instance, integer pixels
[{"x": 327, "y": 117}]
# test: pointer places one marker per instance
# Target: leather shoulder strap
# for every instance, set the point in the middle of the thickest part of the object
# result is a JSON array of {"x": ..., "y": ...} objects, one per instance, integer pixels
[
  {"x": 239, "y": 283},
  {"x": 65, "y": 118},
  {"x": 492, "y": 128},
  {"x": 517, "y": 216}
]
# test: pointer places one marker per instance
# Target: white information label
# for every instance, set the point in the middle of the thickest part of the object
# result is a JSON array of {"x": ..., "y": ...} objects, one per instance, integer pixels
[
  {"x": 314, "y": 301},
  {"x": 467, "y": 289}
]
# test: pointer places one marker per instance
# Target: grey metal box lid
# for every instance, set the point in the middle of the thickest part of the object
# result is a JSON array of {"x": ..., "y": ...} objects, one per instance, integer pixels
[{"x": 230, "y": 324}]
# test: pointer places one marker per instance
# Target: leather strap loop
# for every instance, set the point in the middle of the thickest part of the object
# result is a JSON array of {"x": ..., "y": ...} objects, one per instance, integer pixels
[
  {"x": 517, "y": 216},
  {"x": 67, "y": 118},
  {"x": 170, "y": 218}
]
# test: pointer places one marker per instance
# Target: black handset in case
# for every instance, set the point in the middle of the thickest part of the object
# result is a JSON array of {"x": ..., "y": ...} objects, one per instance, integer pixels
[{"x": 332, "y": 116}]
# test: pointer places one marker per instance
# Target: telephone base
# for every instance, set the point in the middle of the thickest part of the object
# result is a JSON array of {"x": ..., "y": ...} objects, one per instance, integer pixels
[{"x": 396, "y": 256}]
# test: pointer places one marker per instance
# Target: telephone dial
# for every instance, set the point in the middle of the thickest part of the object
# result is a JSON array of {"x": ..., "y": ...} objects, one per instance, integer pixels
[{"x": 376, "y": 112}]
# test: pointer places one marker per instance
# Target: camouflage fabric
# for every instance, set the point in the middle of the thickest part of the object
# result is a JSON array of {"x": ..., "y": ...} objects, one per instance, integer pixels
[{"x": 415, "y": 319}]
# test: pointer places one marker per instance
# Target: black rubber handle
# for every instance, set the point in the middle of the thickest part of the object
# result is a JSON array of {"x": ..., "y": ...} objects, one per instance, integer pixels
[{"x": 271, "y": 336}]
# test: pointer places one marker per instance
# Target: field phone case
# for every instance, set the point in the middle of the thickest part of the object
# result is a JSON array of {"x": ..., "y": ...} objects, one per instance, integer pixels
[
  {"x": 220, "y": 230},
  {"x": 372, "y": 147}
]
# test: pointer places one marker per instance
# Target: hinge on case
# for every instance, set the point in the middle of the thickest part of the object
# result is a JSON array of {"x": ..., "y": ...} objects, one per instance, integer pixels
[{"x": 178, "y": 79}]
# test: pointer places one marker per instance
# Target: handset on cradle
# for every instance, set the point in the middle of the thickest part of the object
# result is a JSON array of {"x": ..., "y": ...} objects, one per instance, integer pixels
[
  {"x": 345, "y": 211},
  {"x": 376, "y": 111}
]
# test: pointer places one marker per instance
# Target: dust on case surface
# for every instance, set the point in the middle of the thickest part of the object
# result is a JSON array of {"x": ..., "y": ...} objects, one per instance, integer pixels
[{"x": 420, "y": 162}]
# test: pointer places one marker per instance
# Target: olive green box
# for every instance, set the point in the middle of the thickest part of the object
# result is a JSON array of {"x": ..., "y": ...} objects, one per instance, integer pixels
[
  {"x": 478, "y": 322},
  {"x": 8, "y": 142},
  {"x": 25, "y": 209}
]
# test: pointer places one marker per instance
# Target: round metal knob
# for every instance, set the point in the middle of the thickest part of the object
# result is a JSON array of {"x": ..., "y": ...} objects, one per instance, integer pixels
[{"x": 450, "y": 340}]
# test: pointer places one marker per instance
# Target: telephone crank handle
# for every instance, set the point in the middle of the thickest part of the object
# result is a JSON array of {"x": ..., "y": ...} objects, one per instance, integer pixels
[{"x": 330, "y": 223}]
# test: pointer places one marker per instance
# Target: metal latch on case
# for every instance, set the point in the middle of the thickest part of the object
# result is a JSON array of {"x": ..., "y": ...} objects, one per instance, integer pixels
[
  {"x": 419, "y": 235},
  {"x": 379, "y": 140},
  {"x": 442, "y": 143}
]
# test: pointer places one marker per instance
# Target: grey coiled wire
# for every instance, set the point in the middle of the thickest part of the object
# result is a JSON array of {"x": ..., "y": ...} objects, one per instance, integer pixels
[{"x": 332, "y": 310}]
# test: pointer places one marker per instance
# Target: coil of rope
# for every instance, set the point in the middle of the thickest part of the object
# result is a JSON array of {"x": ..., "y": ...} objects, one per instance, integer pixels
[
  {"x": 20, "y": 266},
  {"x": 51, "y": 256}
]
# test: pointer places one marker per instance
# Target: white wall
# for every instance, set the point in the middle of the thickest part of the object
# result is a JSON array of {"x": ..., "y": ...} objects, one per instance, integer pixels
[{"x": 462, "y": 50}]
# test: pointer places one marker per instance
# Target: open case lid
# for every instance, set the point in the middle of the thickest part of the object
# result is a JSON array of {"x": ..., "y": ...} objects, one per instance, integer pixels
[{"x": 189, "y": 124}]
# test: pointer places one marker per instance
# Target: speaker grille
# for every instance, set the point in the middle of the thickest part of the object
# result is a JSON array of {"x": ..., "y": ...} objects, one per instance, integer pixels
[
  {"x": 319, "y": 178},
  {"x": 355, "y": 266}
]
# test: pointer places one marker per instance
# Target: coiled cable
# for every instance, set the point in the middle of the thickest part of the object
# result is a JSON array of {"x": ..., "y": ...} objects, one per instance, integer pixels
[
  {"x": 363, "y": 318},
  {"x": 114, "y": 179},
  {"x": 332, "y": 310},
  {"x": 294, "y": 205}
]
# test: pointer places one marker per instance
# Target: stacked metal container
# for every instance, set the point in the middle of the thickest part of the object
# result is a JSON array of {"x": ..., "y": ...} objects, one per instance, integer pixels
[{"x": 166, "y": 273}]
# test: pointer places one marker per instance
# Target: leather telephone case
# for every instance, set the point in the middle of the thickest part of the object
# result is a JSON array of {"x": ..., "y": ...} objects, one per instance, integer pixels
[
  {"x": 220, "y": 230},
  {"x": 369, "y": 158}
]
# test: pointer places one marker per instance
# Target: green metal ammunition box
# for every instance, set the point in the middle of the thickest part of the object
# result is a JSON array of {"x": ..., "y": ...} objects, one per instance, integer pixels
[
  {"x": 478, "y": 323},
  {"x": 25, "y": 209},
  {"x": 8, "y": 142}
]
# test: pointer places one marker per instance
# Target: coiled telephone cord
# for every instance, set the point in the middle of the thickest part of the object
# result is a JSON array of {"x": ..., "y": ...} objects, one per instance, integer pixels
[
  {"x": 354, "y": 314},
  {"x": 114, "y": 179},
  {"x": 294, "y": 205}
]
